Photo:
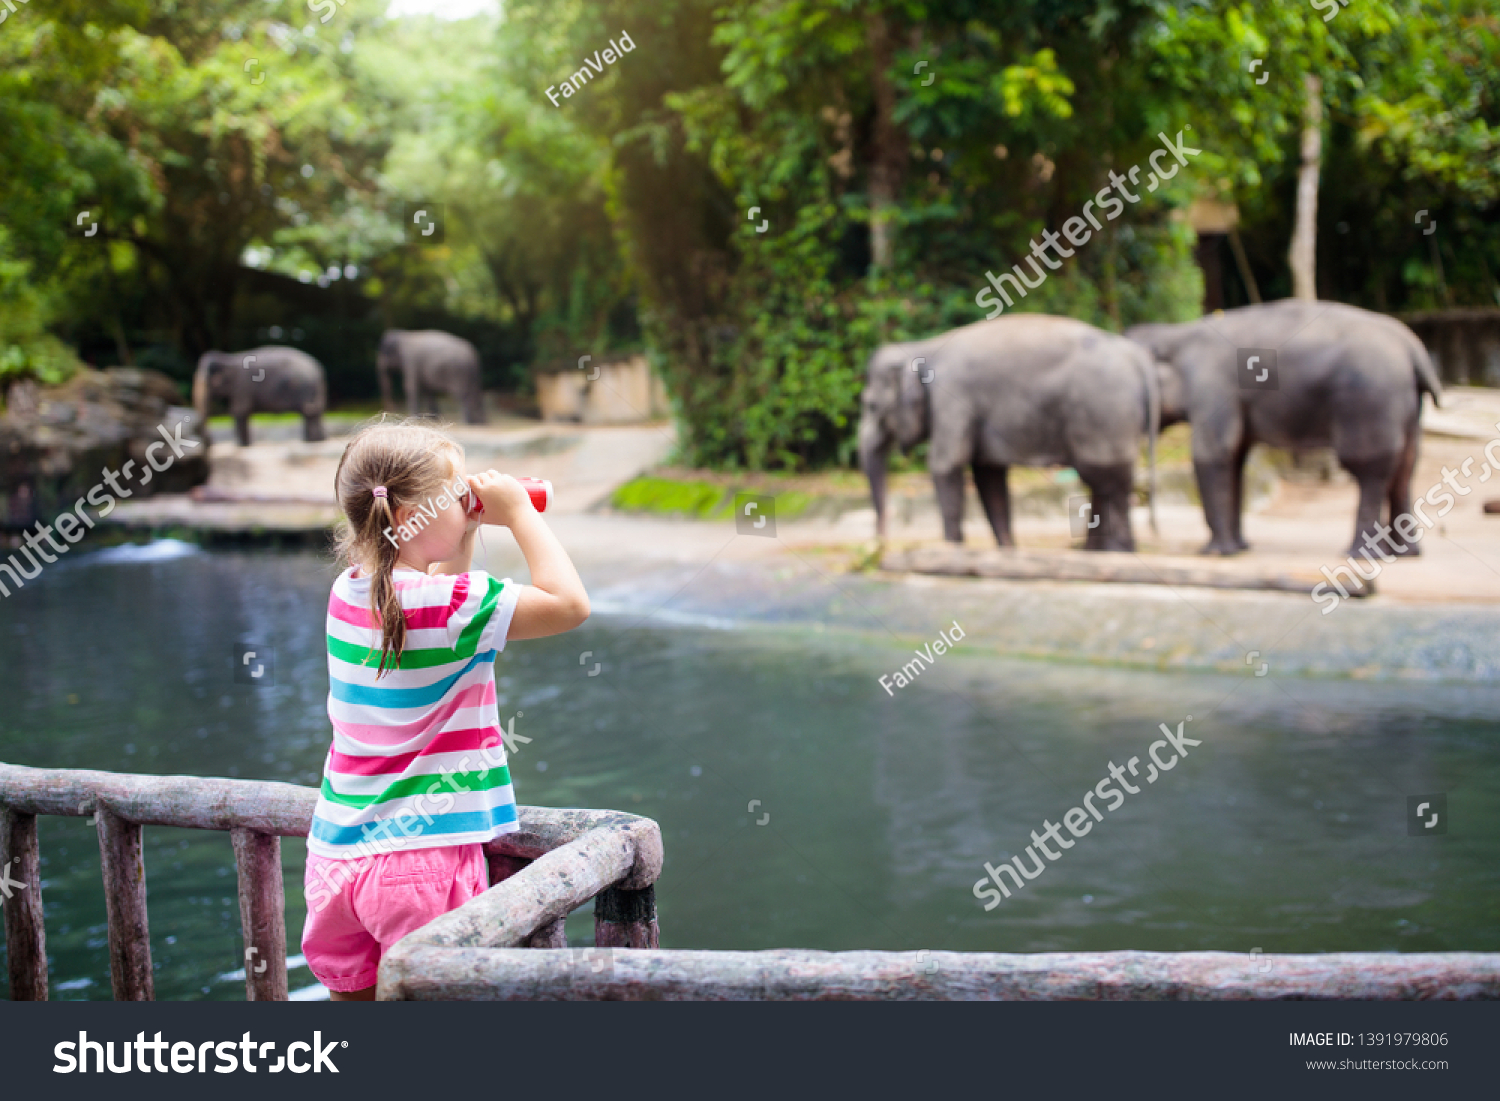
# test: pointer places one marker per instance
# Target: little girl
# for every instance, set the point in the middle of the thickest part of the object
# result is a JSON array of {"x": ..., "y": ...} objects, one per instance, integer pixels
[{"x": 416, "y": 779}]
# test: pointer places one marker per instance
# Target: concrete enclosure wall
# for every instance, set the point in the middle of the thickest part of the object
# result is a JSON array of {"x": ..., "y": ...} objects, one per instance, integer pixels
[
  {"x": 625, "y": 392},
  {"x": 1464, "y": 344}
]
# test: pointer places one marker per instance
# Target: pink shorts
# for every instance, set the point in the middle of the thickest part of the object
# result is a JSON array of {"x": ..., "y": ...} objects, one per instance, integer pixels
[{"x": 357, "y": 909}]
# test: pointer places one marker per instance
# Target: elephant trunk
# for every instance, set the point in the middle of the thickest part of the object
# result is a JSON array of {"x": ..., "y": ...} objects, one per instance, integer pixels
[
  {"x": 200, "y": 394},
  {"x": 874, "y": 453},
  {"x": 1153, "y": 430},
  {"x": 382, "y": 373}
]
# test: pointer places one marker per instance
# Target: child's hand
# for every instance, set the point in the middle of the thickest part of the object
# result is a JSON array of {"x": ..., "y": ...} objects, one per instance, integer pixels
[{"x": 503, "y": 497}]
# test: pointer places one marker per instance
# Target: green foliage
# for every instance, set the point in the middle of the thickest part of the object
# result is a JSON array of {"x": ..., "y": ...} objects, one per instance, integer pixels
[
  {"x": 662, "y": 495},
  {"x": 27, "y": 349},
  {"x": 775, "y": 382},
  {"x": 254, "y": 163},
  {"x": 44, "y": 359},
  {"x": 698, "y": 500}
]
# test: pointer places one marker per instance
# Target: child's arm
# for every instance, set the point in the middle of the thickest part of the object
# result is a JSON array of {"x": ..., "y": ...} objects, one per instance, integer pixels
[{"x": 555, "y": 601}]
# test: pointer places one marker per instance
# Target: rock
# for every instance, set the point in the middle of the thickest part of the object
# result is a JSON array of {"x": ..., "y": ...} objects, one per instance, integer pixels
[{"x": 57, "y": 442}]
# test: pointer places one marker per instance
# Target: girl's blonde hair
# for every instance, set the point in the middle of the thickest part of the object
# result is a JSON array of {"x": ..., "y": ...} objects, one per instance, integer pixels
[{"x": 413, "y": 461}]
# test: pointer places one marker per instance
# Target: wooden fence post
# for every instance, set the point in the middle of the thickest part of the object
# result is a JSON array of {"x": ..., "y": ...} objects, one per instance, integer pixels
[
  {"x": 502, "y": 867},
  {"x": 551, "y": 935},
  {"x": 257, "y": 861},
  {"x": 626, "y": 919},
  {"x": 25, "y": 939},
  {"x": 124, "y": 869}
]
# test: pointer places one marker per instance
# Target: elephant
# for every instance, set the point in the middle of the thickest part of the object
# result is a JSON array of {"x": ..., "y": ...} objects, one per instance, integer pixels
[
  {"x": 270, "y": 379},
  {"x": 431, "y": 362},
  {"x": 1025, "y": 389},
  {"x": 1295, "y": 374}
]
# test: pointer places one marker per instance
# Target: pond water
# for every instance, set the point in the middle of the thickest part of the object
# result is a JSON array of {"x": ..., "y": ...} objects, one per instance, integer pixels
[{"x": 801, "y": 804}]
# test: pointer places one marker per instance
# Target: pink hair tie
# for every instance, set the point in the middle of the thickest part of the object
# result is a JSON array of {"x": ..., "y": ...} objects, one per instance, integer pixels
[{"x": 379, "y": 491}]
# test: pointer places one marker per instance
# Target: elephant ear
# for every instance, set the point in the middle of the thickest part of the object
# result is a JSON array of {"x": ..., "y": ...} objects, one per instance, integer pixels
[{"x": 914, "y": 382}]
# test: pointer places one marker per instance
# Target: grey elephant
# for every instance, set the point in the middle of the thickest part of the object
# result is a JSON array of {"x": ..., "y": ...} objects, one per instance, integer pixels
[
  {"x": 1295, "y": 374},
  {"x": 1027, "y": 390},
  {"x": 431, "y": 362},
  {"x": 270, "y": 379}
]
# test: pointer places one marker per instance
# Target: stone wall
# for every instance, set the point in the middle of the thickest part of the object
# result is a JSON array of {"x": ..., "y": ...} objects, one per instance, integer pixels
[
  {"x": 625, "y": 392},
  {"x": 56, "y": 442}
]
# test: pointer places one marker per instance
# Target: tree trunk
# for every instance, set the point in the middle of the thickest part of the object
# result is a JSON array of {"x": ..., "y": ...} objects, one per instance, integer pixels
[
  {"x": 1243, "y": 263},
  {"x": 887, "y": 144},
  {"x": 117, "y": 324},
  {"x": 1111, "y": 283},
  {"x": 1303, "y": 254}
]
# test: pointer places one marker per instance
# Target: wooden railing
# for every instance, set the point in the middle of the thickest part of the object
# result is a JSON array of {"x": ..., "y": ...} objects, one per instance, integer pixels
[
  {"x": 556, "y": 862},
  {"x": 485, "y": 949},
  {"x": 499, "y": 974}
]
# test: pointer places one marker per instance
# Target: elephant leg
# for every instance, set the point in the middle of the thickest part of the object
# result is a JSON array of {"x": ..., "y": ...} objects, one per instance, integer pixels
[
  {"x": 950, "y": 496},
  {"x": 384, "y": 377},
  {"x": 994, "y": 494},
  {"x": 1374, "y": 478},
  {"x": 312, "y": 427},
  {"x": 1216, "y": 491},
  {"x": 1109, "y": 486},
  {"x": 242, "y": 428},
  {"x": 413, "y": 394},
  {"x": 1398, "y": 495},
  {"x": 1237, "y": 495}
]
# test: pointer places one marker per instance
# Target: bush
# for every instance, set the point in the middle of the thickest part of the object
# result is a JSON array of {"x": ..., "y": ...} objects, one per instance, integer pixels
[
  {"x": 698, "y": 500},
  {"x": 783, "y": 391},
  {"x": 27, "y": 349}
]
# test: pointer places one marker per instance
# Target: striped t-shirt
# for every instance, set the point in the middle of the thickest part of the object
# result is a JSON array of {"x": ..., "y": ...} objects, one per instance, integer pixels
[{"x": 417, "y": 759}]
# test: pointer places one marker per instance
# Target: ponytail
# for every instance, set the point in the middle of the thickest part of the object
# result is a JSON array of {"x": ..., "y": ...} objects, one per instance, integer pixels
[{"x": 385, "y": 605}]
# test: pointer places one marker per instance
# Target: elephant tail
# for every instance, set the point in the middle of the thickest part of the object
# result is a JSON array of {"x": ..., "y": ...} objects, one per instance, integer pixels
[
  {"x": 200, "y": 392},
  {"x": 1427, "y": 377},
  {"x": 1153, "y": 428},
  {"x": 319, "y": 400}
]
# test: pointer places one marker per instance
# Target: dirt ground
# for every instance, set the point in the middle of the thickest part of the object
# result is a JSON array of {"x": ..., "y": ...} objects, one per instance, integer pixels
[
  {"x": 1296, "y": 522},
  {"x": 1303, "y": 522}
]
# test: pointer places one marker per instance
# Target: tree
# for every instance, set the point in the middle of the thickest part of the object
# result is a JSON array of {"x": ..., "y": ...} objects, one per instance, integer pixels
[{"x": 1302, "y": 255}]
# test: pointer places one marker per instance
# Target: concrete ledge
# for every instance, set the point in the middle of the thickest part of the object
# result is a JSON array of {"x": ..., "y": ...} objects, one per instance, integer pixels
[{"x": 1115, "y": 566}]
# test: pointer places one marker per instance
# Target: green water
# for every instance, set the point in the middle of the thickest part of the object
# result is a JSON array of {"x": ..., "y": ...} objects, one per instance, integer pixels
[{"x": 1285, "y": 830}]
